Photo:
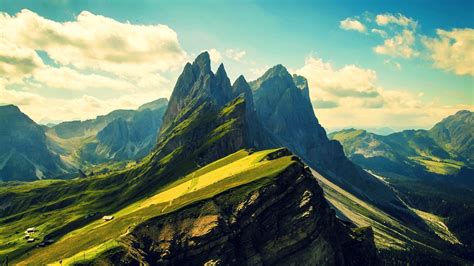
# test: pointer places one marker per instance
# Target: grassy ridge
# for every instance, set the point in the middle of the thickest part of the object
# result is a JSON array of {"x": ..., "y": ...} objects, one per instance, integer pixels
[{"x": 232, "y": 171}]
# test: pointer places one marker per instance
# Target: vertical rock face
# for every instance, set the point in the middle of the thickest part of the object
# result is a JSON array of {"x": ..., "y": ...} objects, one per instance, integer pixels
[
  {"x": 208, "y": 118},
  {"x": 283, "y": 106},
  {"x": 285, "y": 222},
  {"x": 24, "y": 152},
  {"x": 129, "y": 137},
  {"x": 196, "y": 84}
]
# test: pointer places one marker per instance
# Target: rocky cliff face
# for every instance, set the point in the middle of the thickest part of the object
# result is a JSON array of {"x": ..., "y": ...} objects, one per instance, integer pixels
[
  {"x": 127, "y": 139},
  {"x": 285, "y": 222},
  {"x": 283, "y": 106},
  {"x": 118, "y": 135},
  {"x": 207, "y": 118},
  {"x": 24, "y": 153}
]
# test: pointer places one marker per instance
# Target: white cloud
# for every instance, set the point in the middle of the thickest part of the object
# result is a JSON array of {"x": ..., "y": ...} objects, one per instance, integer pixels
[
  {"x": 352, "y": 24},
  {"x": 235, "y": 54},
  {"x": 400, "y": 45},
  {"x": 393, "y": 64},
  {"x": 452, "y": 50},
  {"x": 382, "y": 33},
  {"x": 215, "y": 55},
  {"x": 350, "y": 96},
  {"x": 69, "y": 79},
  {"x": 399, "y": 19},
  {"x": 41, "y": 108},
  {"x": 95, "y": 42},
  {"x": 91, "y": 54},
  {"x": 17, "y": 62},
  {"x": 397, "y": 30},
  {"x": 330, "y": 84}
]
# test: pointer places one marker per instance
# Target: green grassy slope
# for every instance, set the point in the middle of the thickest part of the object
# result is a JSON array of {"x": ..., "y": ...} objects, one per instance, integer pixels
[
  {"x": 395, "y": 239},
  {"x": 412, "y": 152},
  {"x": 63, "y": 206},
  {"x": 230, "y": 172}
]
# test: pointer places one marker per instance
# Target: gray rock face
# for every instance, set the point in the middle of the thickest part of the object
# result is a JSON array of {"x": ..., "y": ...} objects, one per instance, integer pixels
[
  {"x": 286, "y": 111},
  {"x": 24, "y": 152},
  {"x": 127, "y": 138},
  {"x": 283, "y": 106},
  {"x": 207, "y": 118},
  {"x": 286, "y": 222},
  {"x": 196, "y": 84}
]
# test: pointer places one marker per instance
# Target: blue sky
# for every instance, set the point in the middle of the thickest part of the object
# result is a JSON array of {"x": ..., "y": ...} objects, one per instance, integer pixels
[{"x": 305, "y": 36}]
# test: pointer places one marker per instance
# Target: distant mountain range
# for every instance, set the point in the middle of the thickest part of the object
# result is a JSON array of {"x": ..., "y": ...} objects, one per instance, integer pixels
[
  {"x": 442, "y": 150},
  {"x": 119, "y": 135},
  {"x": 36, "y": 152},
  {"x": 432, "y": 169},
  {"x": 384, "y": 131}
]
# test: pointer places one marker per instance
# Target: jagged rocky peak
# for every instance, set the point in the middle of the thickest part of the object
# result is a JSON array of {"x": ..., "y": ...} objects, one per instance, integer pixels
[
  {"x": 241, "y": 86},
  {"x": 202, "y": 63},
  {"x": 278, "y": 70},
  {"x": 197, "y": 83},
  {"x": 221, "y": 90},
  {"x": 284, "y": 108},
  {"x": 302, "y": 83}
]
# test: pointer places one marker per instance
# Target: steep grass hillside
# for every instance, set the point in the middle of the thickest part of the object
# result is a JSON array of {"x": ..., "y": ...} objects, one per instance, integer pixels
[{"x": 235, "y": 170}]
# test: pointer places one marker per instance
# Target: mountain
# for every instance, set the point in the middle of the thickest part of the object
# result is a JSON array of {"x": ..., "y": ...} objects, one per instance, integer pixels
[
  {"x": 383, "y": 131},
  {"x": 442, "y": 150},
  {"x": 219, "y": 188},
  {"x": 207, "y": 118},
  {"x": 118, "y": 136},
  {"x": 24, "y": 153},
  {"x": 197, "y": 198},
  {"x": 431, "y": 169},
  {"x": 284, "y": 108},
  {"x": 456, "y": 136}
]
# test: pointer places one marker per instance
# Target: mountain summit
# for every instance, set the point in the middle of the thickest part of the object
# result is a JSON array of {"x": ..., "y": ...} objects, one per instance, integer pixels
[
  {"x": 24, "y": 151},
  {"x": 284, "y": 108},
  {"x": 208, "y": 118}
]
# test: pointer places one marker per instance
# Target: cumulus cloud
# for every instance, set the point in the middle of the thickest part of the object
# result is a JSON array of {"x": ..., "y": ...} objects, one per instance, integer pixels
[
  {"x": 382, "y": 33},
  {"x": 327, "y": 83},
  {"x": 399, "y": 19},
  {"x": 400, "y": 45},
  {"x": 452, "y": 50},
  {"x": 235, "y": 54},
  {"x": 322, "y": 104},
  {"x": 350, "y": 93},
  {"x": 69, "y": 79},
  {"x": 215, "y": 55},
  {"x": 399, "y": 41},
  {"x": 96, "y": 42},
  {"x": 352, "y": 24},
  {"x": 17, "y": 62},
  {"x": 41, "y": 108},
  {"x": 90, "y": 54}
]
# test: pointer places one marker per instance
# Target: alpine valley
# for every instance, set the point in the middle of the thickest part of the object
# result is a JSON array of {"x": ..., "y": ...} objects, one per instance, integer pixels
[{"x": 233, "y": 173}]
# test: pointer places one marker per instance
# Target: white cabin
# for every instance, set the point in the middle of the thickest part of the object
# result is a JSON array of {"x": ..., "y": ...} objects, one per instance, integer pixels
[{"x": 107, "y": 218}]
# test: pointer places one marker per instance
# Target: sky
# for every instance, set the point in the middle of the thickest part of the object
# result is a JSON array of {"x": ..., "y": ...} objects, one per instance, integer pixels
[{"x": 369, "y": 64}]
